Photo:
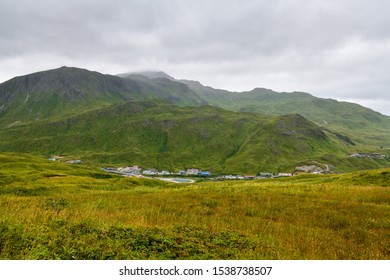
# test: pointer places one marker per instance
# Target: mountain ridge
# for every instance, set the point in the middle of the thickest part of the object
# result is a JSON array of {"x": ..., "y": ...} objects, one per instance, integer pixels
[
  {"x": 159, "y": 122},
  {"x": 68, "y": 90},
  {"x": 353, "y": 120}
]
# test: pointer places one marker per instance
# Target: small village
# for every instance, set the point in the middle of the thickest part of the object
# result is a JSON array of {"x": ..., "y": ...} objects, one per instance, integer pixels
[
  {"x": 136, "y": 171},
  {"x": 139, "y": 172},
  {"x": 195, "y": 173}
]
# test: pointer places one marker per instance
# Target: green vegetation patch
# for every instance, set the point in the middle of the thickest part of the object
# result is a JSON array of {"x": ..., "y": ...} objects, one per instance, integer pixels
[
  {"x": 79, "y": 216},
  {"x": 60, "y": 240}
]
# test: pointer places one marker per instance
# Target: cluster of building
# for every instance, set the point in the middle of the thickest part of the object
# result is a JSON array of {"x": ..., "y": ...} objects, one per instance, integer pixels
[
  {"x": 136, "y": 171},
  {"x": 192, "y": 172},
  {"x": 306, "y": 169},
  {"x": 262, "y": 175}
]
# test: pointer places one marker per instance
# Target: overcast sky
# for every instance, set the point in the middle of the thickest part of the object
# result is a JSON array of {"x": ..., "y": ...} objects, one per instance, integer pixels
[{"x": 330, "y": 48}]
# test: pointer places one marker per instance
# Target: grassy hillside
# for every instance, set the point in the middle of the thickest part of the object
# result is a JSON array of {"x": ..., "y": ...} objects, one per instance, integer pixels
[
  {"x": 19, "y": 174},
  {"x": 148, "y": 133},
  {"x": 362, "y": 125},
  {"x": 67, "y": 91},
  {"x": 76, "y": 214},
  {"x": 284, "y": 142},
  {"x": 154, "y": 134},
  {"x": 57, "y": 93}
]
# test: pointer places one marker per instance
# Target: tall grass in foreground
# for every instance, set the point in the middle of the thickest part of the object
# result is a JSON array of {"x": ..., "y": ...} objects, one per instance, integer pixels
[{"x": 80, "y": 217}]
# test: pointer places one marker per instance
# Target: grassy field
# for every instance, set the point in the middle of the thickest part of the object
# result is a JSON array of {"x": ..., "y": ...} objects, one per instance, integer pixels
[{"x": 53, "y": 210}]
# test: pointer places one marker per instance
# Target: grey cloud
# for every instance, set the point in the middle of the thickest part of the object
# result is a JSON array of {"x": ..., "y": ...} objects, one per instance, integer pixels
[{"x": 336, "y": 49}]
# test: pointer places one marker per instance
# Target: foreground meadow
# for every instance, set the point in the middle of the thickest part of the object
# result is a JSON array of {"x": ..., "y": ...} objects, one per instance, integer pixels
[{"x": 57, "y": 211}]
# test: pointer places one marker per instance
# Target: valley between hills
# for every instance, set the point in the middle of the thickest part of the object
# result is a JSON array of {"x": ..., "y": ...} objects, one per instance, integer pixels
[{"x": 337, "y": 207}]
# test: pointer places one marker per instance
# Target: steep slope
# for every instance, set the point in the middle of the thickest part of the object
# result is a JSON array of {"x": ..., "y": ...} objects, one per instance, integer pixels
[
  {"x": 154, "y": 134},
  {"x": 148, "y": 133},
  {"x": 361, "y": 124},
  {"x": 60, "y": 92},
  {"x": 67, "y": 91},
  {"x": 283, "y": 142}
]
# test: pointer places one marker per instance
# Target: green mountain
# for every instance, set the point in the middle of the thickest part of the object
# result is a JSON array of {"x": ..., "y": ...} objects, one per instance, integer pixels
[
  {"x": 360, "y": 124},
  {"x": 151, "y": 120},
  {"x": 148, "y": 133},
  {"x": 68, "y": 91},
  {"x": 155, "y": 134}
]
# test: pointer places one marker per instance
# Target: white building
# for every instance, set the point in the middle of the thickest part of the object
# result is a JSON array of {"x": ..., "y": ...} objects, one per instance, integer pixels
[
  {"x": 130, "y": 170},
  {"x": 193, "y": 171}
]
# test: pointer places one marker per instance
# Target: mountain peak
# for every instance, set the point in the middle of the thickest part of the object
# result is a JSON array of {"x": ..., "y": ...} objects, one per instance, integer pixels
[{"x": 148, "y": 74}]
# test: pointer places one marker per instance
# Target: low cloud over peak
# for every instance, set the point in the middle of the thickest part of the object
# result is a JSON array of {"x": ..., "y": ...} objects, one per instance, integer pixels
[{"x": 334, "y": 49}]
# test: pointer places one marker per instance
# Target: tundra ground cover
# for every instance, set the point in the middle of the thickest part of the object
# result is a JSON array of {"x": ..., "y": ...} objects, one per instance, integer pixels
[{"x": 57, "y": 211}]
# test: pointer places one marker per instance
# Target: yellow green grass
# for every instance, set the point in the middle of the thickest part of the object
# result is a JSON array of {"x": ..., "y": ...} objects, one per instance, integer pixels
[{"x": 67, "y": 212}]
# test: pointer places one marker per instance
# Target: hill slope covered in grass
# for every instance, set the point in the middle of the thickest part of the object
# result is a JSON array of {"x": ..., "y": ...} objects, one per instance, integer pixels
[
  {"x": 154, "y": 134},
  {"x": 281, "y": 141},
  {"x": 362, "y": 125},
  {"x": 75, "y": 214},
  {"x": 69, "y": 91}
]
